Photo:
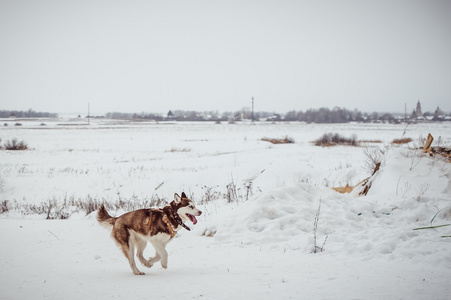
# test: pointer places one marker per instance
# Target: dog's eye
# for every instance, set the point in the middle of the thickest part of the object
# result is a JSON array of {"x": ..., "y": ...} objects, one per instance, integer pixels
[{"x": 191, "y": 206}]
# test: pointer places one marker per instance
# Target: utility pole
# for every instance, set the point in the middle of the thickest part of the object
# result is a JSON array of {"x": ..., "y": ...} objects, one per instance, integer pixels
[
  {"x": 252, "y": 122},
  {"x": 405, "y": 113},
  {"x": 89, "y": 121}
]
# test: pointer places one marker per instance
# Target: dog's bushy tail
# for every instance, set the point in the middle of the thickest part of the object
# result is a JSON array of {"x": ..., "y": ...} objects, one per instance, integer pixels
[{"x": 104, "y": 218}]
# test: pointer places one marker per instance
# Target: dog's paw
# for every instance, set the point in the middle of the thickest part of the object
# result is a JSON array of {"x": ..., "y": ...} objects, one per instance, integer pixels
[
  {"x": 164, "y": 265},
  {"x": 139, "y": 273},
  {"x": 148, "y": 264}
]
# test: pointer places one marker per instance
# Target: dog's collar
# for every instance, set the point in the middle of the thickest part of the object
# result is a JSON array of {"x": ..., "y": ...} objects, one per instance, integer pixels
[
  {"x": 168, "y": 222},
  {"x": 179, "y": 220}
]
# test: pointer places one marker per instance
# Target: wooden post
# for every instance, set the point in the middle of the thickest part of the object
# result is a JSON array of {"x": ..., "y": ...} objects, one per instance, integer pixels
[{"x": 427, "y": 146}]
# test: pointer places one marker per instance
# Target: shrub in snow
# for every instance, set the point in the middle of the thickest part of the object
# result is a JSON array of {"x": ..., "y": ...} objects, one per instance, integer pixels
[
  {"x": 332, "y": 139},
  {"x": 4, "y": 206},
  {"x": 14, "y": 144},
  {"x": 374, "y": 157}
]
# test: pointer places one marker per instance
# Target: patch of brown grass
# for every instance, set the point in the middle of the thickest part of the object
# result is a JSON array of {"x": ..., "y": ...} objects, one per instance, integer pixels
[
  {"x": 370, "y": 141},
  {"x": 401, "y": 141},
  {"x": 174, "y": 150},
  {"x": 285, "y": 140}
]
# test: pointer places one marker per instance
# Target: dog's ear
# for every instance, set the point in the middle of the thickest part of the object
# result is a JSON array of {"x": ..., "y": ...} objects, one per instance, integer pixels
[
  {"x": 177, "y": 198},
  {"x": 183, "y": 195}
]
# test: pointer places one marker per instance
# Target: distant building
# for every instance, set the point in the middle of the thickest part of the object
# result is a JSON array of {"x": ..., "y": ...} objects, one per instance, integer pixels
[
  {"x": 274, "y": 118},
  {"x": 417, "y": 114},
  {"x": 439, "y": 115}
]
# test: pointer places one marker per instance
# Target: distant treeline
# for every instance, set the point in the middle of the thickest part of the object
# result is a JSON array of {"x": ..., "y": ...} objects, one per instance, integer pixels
[
  {"x": 134, "y": 116},
  {"x": 26, "y": 114},
  {"x": 321, "y": 115},
  {"x": 335, "y": 115}
]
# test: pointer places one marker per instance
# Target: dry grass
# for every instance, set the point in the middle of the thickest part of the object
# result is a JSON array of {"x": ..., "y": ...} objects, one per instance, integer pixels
[
  {"x": 370, "y": 141},
  {"x": 63, "y": 208},
  {"x": 401, "y": 141},
  {"x": 174, "y": 150},
  {"x": 285, "y": 140}
]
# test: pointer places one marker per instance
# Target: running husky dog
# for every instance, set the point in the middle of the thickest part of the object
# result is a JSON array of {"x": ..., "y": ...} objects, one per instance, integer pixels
[{"x": 158, "y": 226}]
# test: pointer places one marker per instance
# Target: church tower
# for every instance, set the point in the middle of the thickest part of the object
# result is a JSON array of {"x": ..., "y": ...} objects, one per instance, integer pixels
[{"x": 418, "y": 112}]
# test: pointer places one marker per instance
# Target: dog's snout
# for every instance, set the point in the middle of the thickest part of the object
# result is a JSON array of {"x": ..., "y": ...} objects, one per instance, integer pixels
[{"x": 200, "y": 212}]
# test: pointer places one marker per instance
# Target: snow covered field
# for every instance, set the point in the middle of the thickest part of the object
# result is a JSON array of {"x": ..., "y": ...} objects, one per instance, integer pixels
[{"x": 255, "y": 238}]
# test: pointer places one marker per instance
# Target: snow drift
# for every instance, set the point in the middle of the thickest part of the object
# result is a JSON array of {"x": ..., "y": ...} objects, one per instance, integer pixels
[{"x": 380, "y": 224}]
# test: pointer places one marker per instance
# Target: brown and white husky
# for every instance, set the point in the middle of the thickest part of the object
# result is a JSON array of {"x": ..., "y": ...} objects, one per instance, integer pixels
[{"x": 133, "y": 230}]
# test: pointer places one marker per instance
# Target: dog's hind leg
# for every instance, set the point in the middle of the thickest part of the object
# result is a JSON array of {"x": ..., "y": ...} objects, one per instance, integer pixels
[
  {"x": 129, "y": 253},
  {"x": 127, "y": 243}
]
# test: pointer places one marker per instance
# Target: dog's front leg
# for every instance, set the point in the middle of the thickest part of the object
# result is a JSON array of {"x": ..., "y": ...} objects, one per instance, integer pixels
[
  {"x": 161, "y": 253},
  {"x": 149, "y": 263},
  {"x": 141, "y": 245}
]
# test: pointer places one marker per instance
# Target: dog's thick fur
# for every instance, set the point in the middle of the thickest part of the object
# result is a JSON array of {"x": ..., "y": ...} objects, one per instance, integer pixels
[{"x": 133, "y": 230}]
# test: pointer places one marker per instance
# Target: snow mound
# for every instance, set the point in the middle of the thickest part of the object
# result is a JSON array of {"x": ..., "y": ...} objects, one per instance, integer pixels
[
  {"x": 379, "y": 224},
  {"x": 285, "y": 217}
]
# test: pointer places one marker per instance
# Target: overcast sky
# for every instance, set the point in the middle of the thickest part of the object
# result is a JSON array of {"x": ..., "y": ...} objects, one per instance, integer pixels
[{"x": 153, "y": 56}]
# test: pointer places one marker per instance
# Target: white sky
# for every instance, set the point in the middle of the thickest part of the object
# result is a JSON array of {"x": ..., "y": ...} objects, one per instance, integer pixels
[{"x": 153, "y": 56}]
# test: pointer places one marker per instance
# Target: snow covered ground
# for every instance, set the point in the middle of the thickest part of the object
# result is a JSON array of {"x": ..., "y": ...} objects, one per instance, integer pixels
[{"x": 255, "y": 238}]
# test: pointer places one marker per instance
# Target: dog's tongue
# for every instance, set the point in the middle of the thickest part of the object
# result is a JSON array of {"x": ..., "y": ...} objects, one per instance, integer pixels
[{"x": 192, "y": 218}]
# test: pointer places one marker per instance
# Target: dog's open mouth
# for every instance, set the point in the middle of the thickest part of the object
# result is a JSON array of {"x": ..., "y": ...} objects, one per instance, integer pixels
[{"x": 192, "y": 218}]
